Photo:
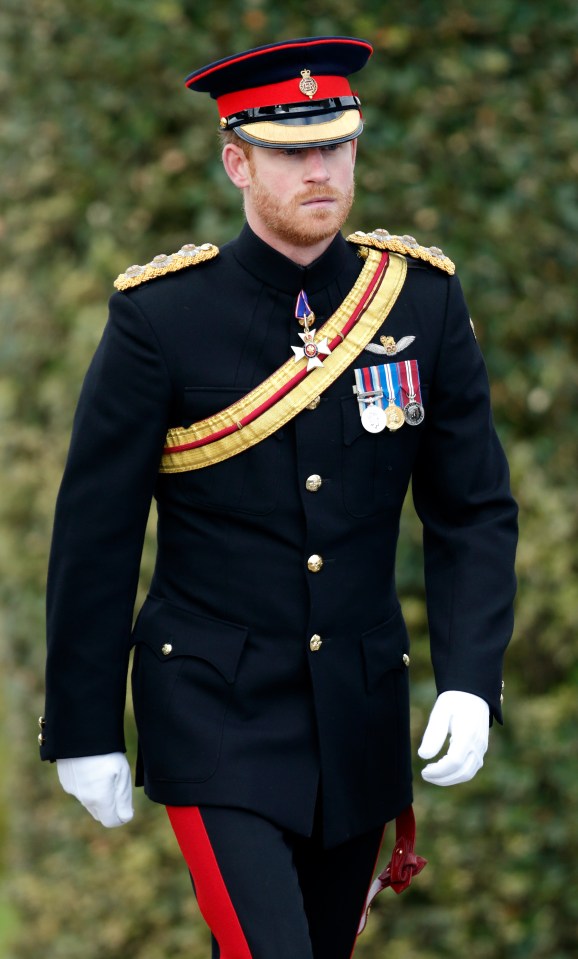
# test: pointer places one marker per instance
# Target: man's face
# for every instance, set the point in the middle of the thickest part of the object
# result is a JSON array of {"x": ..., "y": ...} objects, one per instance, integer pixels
[{"x": 300, "y": 197}]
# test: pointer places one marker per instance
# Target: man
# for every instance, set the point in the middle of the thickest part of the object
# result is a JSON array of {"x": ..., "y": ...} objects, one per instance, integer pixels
[{"x": 275, "y": 397}]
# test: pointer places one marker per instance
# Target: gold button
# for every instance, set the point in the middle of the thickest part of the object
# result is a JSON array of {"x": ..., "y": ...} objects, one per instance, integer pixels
[
  {"x": 313, "y": 483},
  {"x": 314, "y": 563},
  {"x": 314, "y": 403},
  {"x": 166, "y": 649},
  {"x": 41, "y": 722},
  {"x": 41, "y": 739},
  {"x": 405, "y": 659},
  {"x": 315, "y": 643}
]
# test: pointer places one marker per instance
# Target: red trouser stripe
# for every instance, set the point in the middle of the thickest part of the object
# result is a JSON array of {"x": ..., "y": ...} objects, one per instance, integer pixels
[{"x": 210, "y": 889}]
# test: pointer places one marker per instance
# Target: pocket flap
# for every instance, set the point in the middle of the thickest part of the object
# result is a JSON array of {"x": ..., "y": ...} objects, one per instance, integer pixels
[
  {"x": 172, "y": 631},
  {"x": 385, "y": 647}
]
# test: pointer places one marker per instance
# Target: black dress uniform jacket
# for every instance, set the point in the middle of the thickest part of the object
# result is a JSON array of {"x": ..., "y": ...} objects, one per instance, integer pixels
[{"x": 237, "y": 702}]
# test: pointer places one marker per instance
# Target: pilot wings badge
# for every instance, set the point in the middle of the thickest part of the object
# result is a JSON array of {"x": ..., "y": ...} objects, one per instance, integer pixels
[{"x": 388, "y": 347}]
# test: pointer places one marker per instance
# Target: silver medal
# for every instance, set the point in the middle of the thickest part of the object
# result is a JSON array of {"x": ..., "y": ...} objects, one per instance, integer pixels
[
  {"x": 414, "y": 413},
  {"x": 373, "y": 419}
]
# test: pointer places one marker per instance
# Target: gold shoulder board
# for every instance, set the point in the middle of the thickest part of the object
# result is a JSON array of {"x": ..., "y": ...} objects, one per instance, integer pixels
[
  {"x": 188, "y": 255},
  {"x": 408, "y": 245}
]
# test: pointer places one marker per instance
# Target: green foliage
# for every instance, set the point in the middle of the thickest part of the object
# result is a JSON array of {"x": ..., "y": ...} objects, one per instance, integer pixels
[{"x": 107, "y": 159}]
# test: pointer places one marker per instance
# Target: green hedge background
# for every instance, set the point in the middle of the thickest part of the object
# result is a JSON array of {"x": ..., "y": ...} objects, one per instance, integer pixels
[{"x": 106, "y": 160}]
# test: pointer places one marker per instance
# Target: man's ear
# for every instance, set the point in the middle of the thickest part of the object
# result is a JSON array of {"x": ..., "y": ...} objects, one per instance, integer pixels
[{"x": 236, "y": 165}]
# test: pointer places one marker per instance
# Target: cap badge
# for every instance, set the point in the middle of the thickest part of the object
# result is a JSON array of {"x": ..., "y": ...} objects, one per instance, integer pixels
[{"x": 308, "y": 85}]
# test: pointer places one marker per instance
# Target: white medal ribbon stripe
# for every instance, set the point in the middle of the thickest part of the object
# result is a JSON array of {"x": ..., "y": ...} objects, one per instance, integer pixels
[
  {"x": 374, "y": 373},
  {"x": 360, "y": 387},
  {"x": 389, "y": 381},
  {"x": 384, "y": 383},
  {"x": 409, "y": 374},
  {"x": 363, "y": 399},
  {"x": 413, "y": 381}
]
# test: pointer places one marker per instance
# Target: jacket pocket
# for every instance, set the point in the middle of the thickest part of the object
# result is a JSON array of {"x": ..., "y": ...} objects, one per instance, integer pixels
[
  {"x": 386, "y": 662},
  {"x": 385, "y": 648},
  {"x": 184, "y": 672}
]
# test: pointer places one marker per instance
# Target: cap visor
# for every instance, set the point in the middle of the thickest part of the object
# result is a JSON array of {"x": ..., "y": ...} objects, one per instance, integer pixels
[{"x": 323, "y": 130}]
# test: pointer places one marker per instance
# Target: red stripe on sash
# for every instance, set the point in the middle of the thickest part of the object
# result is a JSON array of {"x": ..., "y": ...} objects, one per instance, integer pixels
[{"x": 210, "y": 889}]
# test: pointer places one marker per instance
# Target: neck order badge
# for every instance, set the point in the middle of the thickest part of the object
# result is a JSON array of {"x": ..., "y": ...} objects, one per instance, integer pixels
[{"x": 310, "y": 349}]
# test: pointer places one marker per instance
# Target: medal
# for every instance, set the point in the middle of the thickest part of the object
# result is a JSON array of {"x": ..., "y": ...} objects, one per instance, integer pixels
[
  {"x": 413, "y": 410},
  {"x": 373, "y": 418},
  {"x": 394, "y": 418},
  {"x": 414, "y": 413},
  {"x": 369, "y": 398},
  {"x": 311, "y": 351}
]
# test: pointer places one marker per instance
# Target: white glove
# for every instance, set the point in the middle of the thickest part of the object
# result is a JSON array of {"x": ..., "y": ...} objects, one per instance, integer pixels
[
  {"x": 466, "y": 718},
  {"x": 102, "y": 784}
]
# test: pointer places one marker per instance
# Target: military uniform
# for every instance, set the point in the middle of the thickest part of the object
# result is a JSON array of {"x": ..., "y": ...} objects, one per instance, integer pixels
[
  {"x": 260, "y": 554},
  {"x": 271, "y": 664}
]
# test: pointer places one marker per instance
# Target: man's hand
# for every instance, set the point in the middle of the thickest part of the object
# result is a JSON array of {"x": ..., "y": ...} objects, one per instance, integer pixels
[
  {"x": 102, "y": 784},
  {"x": 465, "y": 718}
]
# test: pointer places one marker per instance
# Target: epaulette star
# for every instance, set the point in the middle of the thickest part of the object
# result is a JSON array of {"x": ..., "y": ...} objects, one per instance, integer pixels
[
  {"x": 407, "y": 245},
  {"x": 188, "y": 255}
]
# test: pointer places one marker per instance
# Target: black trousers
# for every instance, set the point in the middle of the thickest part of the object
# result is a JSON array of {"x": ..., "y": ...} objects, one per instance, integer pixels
[{"x": 269, "y": 894}]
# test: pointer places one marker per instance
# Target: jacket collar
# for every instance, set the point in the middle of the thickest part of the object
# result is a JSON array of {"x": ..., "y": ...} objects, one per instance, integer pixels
[{"x": 276, "y": 270}]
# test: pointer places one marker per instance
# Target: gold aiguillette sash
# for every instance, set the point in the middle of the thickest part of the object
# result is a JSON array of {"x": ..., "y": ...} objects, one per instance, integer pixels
[{"x": 291, "y": 388}]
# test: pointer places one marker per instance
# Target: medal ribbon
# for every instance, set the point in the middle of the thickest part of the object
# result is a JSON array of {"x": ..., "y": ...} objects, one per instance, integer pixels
[
  {"x": 376, "y": 383},
  {"x": 390, "y": 380},
  {"x": 384, "y": 380},
  {"x": 367, "y": 380},
  {"x": 362, "y": 383},
  {"x": 409, "y": 380},
  {"x": 302, "y": 308}
]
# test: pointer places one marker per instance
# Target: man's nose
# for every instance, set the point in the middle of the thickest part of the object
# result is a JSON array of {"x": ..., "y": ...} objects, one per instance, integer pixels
[{"x": 316, "y": 166}]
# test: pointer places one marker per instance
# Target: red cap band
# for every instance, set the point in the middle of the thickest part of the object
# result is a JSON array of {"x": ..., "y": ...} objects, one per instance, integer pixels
[{"x": 281, "y": 93}]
